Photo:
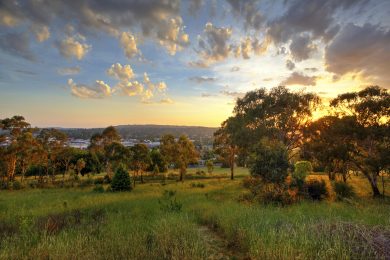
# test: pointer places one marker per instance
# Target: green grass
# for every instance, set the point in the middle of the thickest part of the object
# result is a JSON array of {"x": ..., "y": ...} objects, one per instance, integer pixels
[{"x": 78, "y": 223}]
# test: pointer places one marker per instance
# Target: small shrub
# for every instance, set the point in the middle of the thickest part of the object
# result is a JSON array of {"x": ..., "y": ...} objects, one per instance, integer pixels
[
  {"x": 301, "y": 170},
  {"x": 121, "y": 180},
  {"x": 279, "y": 197},
  {"x": 86, "y": 183},
  {"x": 343, "y": 190},
  {"x": 107, "y": 179},
  {"x": 98, "y": 188},
  {"x": 169, "y": 203},
  {"x": 99, "y": 180},
  {"x": 316, "y": 190},
  {"x": 210, "y": 166},
  {"x": 4, "y": 185},
  {"x": 197, "y": 185},
  {"x": 16, "y": 185}
]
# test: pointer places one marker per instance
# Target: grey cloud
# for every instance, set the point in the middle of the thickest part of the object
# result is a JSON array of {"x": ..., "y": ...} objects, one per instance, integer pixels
[
  {"x": 203, "y": 79},
  {"x": 17, "y": 44},
  {"x": 234, "y": 94},
  {"x": 249, "y": 11},
  {"x": 360, "y": 49},
  {"x": 311, "y": 69},
  {"x": 297, "y": 78},
  {"x": 69, "y": 71},
  {"x": 235, "y": 68},
  {"x": 290, "y": 65},
  {"x": 205, "y": 95},
  {"x": 302, "y": 47}
]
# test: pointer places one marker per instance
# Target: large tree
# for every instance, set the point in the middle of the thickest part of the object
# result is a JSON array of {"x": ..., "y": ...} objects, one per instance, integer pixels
[
  {"x": 370, "y": 110},
  {"x": 179, "y": 153},
  {"x": 15, "y": 127},
  {"x": 140, "y": 160},
  {"x": 277, "y": 114}
]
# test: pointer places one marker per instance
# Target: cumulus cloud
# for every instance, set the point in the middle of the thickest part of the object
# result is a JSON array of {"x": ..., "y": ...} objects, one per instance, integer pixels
[
  {"x": 73, "y": 47},
  {"x": 214, "y": 43},
  {"x": 290, "y": 65},
  {"x": 41, "y": 32},
  {"x": 130, "y": 88},
  {"x": 129, "y": 45},
  {"x": 97, "y": 91},
  {"x": 122, "y": 73},
  {"x": 202, "y": 79},
  {"x": 69, "y": 71},
  {"x": 160, "y": 86},
  {"x": 154, "y": 19},
  {"x": 171, "y": 35},
  {"x": 297, "y": 78},
  {"x": 361, "y": 49}
]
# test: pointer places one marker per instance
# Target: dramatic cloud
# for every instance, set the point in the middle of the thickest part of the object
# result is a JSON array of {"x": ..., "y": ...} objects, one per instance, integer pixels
[
  {"x": 129, "y": 45},
  {"x": 361, "y": 49},
  {"x": 73, "y": 47},
  {"x": 154, "y": 19},
  {"x": 203, "y": 79},
  {"x": 99, "y": 90},
  {"x": 214, "y": 44},
  {"x": 299, "y": 79},
  {"x": 122, "y": 73},
  {"x": 290, "y": 65},
  {"x": 69, "y": 71},
  {"x": 249, "y": 11},
  {"x": 301, "y": 47},
  {"x": 311, "y": 69}
]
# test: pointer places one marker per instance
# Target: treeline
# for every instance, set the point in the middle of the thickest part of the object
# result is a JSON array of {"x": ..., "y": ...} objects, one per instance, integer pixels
[
  {"x": 44, "y": 154},
  {"x": 145, "y": 132},
  {"x": 270, "y": 130}
]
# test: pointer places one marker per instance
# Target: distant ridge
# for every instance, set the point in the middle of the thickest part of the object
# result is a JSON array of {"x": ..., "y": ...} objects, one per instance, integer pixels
[{"x": 149, "y": 131}]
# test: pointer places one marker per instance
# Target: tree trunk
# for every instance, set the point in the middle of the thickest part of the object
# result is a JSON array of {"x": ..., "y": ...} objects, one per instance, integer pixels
[
  {"x": 374, "y": 185},
  {"x": 232, "y": 165},
  {"x": 182, "y": 172},
  {"x": 11, "y": 168},
  {"x": 142, "y": 178},
  {"x": 383, "y": 184}
]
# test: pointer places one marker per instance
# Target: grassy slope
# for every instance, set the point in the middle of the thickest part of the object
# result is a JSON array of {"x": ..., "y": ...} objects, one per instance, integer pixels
[{"x": 132, "y": 225}]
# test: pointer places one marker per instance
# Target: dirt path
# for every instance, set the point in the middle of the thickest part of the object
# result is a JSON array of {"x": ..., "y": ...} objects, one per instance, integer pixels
[{"x": 218, "y": 247}]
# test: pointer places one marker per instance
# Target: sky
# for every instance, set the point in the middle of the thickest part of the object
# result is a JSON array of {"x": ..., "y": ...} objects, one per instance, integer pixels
[{"x": 96, "y": 63}]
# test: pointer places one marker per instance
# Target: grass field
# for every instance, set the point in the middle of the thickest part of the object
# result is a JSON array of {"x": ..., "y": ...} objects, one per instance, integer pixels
[{"x": 207, "y": 221}]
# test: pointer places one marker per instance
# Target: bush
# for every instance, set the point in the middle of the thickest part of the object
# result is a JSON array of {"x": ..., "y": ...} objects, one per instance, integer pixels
[
  {"x": 279, "y": 197},
  {"x": 210, "y": 166},
  {"x": 85, "y": 183},
  {"x": 301, "y": 170},
  {"x": 99, "y": 180},
  {"x": 343, "y": 190},
  {"x": 121, "y": 180},
  {"x": 107, "y": 179},
  {"x": 316, "y": 190},
  {"x": 197, "y": 185},
  {"x": 98, "y": 188},
  {"x": 16, "y": 185},
  {"x": 169, "y": 202},
  {"x": 270, "y": 162}
]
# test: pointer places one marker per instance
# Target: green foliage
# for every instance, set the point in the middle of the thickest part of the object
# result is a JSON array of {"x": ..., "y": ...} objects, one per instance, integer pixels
[
  {"x": 301, "y": 170},
  {"x": 197, "y": 185},
  {"x": 107, "y": 179},
  {"x": 169, "y": 203},
  {"x": 270, "y": 162},
  {"x": 98, "y": 188},
  {"x": 99, "y": 180},
  {"x": 316, "y": 189},
  {"x": 16, "y": 185},
  {"x": 121, "y": 180},
  {"x": 279, "y": 197},
  {"x": 343, "y": 190}
]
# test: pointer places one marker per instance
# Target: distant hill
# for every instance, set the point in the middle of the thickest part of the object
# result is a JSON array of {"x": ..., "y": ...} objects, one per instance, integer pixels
[{"x": 143, "y": 132}]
